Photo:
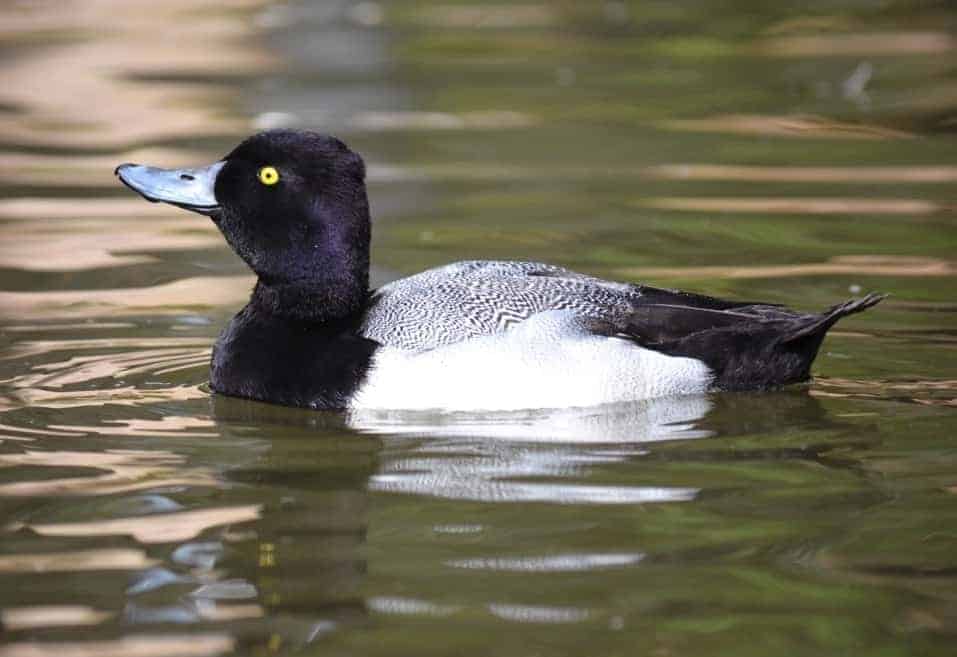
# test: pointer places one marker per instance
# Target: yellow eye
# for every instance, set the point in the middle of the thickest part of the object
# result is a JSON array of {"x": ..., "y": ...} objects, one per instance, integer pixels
[{"x": 268, "y": 175}]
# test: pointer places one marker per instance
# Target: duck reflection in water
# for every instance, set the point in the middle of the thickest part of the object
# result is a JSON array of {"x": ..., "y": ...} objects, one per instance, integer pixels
[
  {"x": 300, "y": 570},
  {"x": 505, "y": 456}
]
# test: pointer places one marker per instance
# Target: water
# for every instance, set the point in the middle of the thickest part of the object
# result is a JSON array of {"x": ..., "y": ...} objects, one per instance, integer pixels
[{"x": 791, "y": 152}]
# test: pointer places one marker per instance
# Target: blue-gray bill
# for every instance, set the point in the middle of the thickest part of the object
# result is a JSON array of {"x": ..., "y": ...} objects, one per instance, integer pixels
[{"x": 192, "y": 189}]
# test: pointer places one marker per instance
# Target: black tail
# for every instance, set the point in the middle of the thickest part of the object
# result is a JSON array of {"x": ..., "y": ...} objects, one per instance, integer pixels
[
  {"x": 748, "y": 347},
  {"x": 823, "y": 322}
]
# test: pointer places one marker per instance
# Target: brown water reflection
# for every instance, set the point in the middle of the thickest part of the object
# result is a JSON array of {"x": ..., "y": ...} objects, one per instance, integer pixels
[
  {"x": 940, "y": 174},
  {"x": 810, "y": 127},
  {"x": 879, "y": 44},
  {"x": 100, "y": 104},
  {"x": 76, "y": 560},
  {"x": 853, "y": 265},
  {"x": 28, "y": 618},
  {"x": 803, "y": 205},
  {"x": 164, "y": 528},
  {"x": 123, "y": 471},
  {"x": 176, "y": 297},
  {"x": 186, "y": 645}
]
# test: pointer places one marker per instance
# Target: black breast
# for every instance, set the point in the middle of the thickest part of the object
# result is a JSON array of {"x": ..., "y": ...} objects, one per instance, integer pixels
[{"x": 295, "y": 363}]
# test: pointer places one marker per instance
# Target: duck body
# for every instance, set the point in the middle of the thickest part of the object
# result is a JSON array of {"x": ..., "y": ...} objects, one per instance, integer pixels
[
  {"x": 476, "y": 335},
  {"x": 487, "y": 335}
]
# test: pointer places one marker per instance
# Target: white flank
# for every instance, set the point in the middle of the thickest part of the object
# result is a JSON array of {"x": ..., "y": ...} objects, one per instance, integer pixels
[{"x": 547, "y": 361}]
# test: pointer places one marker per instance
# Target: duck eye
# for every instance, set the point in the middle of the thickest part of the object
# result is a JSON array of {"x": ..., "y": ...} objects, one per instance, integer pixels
[{"x": 268, "y": 175}]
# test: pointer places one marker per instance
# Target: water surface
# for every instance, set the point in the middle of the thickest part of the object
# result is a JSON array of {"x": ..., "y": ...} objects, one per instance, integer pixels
[{"x": 793, "y": 152}]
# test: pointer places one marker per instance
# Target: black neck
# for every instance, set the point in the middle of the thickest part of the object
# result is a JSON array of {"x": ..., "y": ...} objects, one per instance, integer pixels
[
  {"x": 315, "y": 301},
  {"x": 331, "y": 278}
]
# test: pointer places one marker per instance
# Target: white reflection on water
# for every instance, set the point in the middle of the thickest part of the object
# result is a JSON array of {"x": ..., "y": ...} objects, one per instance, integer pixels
[
  {"x": 516, "y": 456},
  {"x": 457, "y": 529},
  {"x": 560, "y": 563},
  {"x": 638, "y": 422},
  {"x": 409, "y": 606},
  {"x": 230, "y": 589},
  {"x": 506, "y": 492},
  {"x": 537, "y": 614}
]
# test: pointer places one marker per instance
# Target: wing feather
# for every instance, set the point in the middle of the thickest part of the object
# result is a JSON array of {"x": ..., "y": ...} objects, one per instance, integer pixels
[{"x": 467, "y": 299}]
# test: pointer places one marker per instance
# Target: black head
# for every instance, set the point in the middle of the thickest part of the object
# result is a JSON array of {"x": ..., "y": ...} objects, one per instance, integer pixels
[{"x": 292, "y": 204}]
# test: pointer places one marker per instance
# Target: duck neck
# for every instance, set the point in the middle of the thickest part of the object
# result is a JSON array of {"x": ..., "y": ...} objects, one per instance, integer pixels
[
  {"x": 333, "y": 281},
  {"x": 318, "y": 301}
]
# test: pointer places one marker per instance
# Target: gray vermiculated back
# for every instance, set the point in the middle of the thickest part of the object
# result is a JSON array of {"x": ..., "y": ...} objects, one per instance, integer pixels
[{"x": 466, "y": 299}]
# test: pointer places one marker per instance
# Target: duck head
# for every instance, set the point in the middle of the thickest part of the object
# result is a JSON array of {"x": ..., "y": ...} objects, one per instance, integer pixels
[{"x": 293, "y": 206}]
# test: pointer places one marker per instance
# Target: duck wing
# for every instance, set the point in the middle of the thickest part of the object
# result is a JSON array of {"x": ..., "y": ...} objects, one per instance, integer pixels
[{"x": 463, "y": 300}]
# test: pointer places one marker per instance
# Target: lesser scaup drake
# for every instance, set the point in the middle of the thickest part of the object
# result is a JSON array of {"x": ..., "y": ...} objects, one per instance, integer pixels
[{"x": 470, "y": 335}]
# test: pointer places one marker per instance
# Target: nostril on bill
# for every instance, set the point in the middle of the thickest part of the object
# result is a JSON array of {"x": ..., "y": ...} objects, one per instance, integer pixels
[{"x": 186, "y": 176}]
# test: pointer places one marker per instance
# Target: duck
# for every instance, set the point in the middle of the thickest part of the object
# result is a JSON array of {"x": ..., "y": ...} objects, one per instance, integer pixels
[{"x": 478, "y": 335}]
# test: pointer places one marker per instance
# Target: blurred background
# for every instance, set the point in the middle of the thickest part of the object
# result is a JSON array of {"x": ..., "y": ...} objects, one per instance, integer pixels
[{"x": 794, "y": 152}]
